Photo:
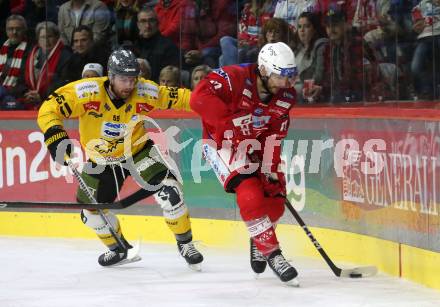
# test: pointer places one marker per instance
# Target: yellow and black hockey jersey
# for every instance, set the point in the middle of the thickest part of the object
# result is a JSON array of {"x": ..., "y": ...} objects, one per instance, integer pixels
[{"x": 104, "y": 128}]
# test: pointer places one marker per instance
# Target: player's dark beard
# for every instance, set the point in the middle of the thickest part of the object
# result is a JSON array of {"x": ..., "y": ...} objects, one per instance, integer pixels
[
  {"x": 267, "y": 95},
  {"x": 117, "y": 102}
]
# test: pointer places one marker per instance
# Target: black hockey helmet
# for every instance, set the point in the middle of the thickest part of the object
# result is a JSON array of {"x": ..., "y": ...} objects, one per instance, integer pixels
[{"x": 123, "y": 62}]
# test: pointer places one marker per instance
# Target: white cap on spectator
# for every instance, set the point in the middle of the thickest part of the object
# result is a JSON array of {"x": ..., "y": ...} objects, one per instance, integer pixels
[{"x": 96, "y": 67}]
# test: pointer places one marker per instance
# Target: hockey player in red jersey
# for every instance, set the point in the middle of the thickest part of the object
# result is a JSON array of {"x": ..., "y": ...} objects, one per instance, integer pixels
[{"x": 245, "y": 115}]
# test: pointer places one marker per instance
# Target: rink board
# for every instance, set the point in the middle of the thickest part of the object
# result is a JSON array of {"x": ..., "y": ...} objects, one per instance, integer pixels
[{"x": 392, "y": 258}]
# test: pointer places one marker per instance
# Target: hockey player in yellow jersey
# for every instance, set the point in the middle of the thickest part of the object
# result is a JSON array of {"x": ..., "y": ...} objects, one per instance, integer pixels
[{"x": 108, "y": 110}]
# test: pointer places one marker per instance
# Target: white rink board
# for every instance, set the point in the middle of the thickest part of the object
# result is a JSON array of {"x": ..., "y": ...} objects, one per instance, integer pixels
[{"x": 65, "y": 272}]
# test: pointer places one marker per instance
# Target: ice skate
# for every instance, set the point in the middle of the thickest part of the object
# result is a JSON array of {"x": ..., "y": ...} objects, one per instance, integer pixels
[
  {"x": 285, "y": 272},
  {"x": 258, "y": 262},
  {"x": 120, "y": 256},
  {"x": 192, "y": 256}
]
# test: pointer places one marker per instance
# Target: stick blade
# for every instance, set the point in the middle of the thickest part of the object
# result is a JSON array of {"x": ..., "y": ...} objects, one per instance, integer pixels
[
  {"x": 133, "y": 253},
  {"x": 366, "y": 271}
]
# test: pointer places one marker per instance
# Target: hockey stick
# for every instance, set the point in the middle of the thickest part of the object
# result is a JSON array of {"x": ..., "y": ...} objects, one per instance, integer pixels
[
  {"x": 117, "y": 205},
  {"x": 352, "y": 273},
  {"x": 83, "y": 186}
]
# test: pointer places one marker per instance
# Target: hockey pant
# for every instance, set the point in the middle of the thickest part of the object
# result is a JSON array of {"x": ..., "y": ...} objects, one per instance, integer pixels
[
  {"x": 152, "y": 173},
  {"x": 259, "y": 212}
]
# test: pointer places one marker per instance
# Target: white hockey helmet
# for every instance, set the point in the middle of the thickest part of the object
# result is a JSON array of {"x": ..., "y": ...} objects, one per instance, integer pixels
[{"x": 279, "y": 59}]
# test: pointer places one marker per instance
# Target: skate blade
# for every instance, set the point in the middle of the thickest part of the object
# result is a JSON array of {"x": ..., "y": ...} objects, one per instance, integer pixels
[
  {"x": 127, "y": 260},
  {"x": 292, "y": 283},
  {"x": 132, "y": 255},
  {"x": 134, "y": 252},
  {"x": 195, "y": 267}
]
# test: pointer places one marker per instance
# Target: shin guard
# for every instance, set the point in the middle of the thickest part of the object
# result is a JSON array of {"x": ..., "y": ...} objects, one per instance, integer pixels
[
  {"x": 93, "y": 220},
  {"x": 263, "y": 234}
]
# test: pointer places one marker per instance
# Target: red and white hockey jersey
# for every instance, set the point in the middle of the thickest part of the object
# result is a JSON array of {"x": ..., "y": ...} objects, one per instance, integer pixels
[{"x": 233, "y": 90}]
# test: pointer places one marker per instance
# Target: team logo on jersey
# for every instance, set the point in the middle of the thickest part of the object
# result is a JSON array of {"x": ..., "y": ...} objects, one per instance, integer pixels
[
  {"x": 147, "y": 89},
  {"x": 259, "y": 122},
  {"x": 283, "y": 104},
  {"x": 258, "y": 111},
  {"x": 107, "y": 107},
  {"x": 107, "y": 146},
  {"x": 92, "y": 105},
  {"x": 244, "y": 123},
  {"x": 247, "y": 93},
  {"x": 87, "y": 88},
  {"x": 113, "y": 130},
  {"x": 143, "y": 107}
]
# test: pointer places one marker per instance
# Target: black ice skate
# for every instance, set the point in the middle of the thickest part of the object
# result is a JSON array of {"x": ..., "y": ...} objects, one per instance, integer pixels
[
  {"x": 192, "y": 256},
  {"x": 258, "y": 262},
  {"x": 282, "y": 268},
  {"x": 119, "y": 256}
]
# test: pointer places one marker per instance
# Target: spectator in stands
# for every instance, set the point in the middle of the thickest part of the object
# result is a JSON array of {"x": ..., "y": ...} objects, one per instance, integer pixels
[
  {"x": 85, "y": 50},
  {"x": 177, "y": 21},
  {"x": 389, "y": 43},
  {"x": 198, "y": 73},
  {"x": 348, "y": 71},
  {"x": 40, "y": 10},
  {"x": 244, "y": 48},
  {"x": 425, "y": 65},
  {"x": 92, "y": 70},
  {"x": 309, "y": 57},
  {"x": 152, "y": 46},
  {"x": 92, "y": 13},
  {"x": 44, "y": 64},
  {"x": 13, "y": 55},
  {"x": 289, "y": 10},
  {"x": 145, "y": 69},
  {"x": 348, "y": 6},
  {"x": 126, "y": 16},
  {"x": 366, "y": 14},
  {"x": 8, "y": 102},
  {"x": 277, "y": 30},
  {"x": 215, "y": 20},
  {"x": 5, "y": 11},
  {"x": 169, "y": 76}
]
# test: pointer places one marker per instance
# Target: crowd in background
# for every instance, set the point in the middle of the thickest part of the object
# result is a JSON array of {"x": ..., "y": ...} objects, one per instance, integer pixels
[{"x": 346, "y": 51}]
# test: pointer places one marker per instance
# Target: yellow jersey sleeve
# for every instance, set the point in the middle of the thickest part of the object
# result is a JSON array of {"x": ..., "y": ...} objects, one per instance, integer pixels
[
  {"x": 174, "y": 98},
  {"x": 61, "y": 104}
]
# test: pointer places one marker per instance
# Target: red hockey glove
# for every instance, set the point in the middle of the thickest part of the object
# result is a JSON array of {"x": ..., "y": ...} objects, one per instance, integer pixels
[{"x": 274, "y": 184}]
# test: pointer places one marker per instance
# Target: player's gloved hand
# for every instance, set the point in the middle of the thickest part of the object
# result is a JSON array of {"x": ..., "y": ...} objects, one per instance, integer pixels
[
  {"x": 56, "y": 136},
  {"x": 274, "y": 184}
]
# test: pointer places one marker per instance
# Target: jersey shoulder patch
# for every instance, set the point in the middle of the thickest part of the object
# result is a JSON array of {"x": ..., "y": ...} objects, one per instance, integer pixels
[
  {"x": 86, "y": 88},
  {"x": 147, "y": 89}
]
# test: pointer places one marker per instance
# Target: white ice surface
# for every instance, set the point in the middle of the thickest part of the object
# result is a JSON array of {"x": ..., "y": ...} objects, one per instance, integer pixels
[{"x": 64, "y": 272}]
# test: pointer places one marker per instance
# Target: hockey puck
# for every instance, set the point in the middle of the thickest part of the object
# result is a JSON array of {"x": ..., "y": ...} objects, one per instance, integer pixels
[{"x": 355, "y": 275}]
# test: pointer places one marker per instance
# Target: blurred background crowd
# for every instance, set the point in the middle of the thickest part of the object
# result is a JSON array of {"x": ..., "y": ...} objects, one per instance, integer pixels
[{"x": 352, "y": 51}]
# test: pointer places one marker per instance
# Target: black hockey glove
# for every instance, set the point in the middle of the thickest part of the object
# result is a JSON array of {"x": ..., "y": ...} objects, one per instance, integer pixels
[{"x": 55, "y": 136}]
